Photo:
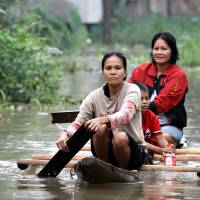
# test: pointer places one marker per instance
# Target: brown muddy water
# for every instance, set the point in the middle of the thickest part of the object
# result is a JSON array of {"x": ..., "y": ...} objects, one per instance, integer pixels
[{"x": 30, "y": 132}]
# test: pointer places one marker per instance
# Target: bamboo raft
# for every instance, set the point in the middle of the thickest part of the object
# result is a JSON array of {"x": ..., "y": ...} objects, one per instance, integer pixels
[{"x": 183, "y": 155}]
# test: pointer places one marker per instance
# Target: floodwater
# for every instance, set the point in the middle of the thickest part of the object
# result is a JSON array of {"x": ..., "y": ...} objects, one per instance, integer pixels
[{"x": 30, "y": 132}]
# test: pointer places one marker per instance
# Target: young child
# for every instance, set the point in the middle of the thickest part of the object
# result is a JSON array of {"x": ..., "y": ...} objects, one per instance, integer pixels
[{"x": 154, "y": 138}]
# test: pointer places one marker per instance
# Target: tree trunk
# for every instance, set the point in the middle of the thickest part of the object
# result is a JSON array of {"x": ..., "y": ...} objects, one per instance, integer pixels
[
  {"x": 106, "y": 25},
  {"x": 169, "y": 8}
]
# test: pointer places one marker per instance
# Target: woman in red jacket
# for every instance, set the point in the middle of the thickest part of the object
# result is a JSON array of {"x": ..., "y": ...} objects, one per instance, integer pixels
[{"x": 167, "y": 84}]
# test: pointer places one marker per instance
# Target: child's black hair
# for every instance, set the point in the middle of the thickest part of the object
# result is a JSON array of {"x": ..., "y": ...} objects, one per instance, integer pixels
[{"x": 142, "y": 86}]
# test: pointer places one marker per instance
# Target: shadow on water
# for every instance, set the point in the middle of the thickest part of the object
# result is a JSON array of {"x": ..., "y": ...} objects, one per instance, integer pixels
[{"x": 25, "y": 133}]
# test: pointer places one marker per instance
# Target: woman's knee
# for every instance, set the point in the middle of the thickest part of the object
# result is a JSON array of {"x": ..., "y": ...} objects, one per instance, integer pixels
[
  {"x": 120, "y": 140},
  {"x": 102, "y": 132}
]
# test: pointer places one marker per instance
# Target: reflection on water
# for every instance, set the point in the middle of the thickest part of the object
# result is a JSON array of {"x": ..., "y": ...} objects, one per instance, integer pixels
[
  {"x": 44, "y": 188},
  {"x": 147, "y": 188},
  {"x": 25, "y": 133}
]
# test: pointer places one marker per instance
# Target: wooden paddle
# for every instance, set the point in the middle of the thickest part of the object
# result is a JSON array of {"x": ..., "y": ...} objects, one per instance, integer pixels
[
  {"x": 61, "y": 158},
  {"x": 64, "y": 117}
]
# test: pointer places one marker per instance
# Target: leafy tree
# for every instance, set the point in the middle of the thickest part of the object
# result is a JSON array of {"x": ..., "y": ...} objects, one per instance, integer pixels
[
  {"x": 4, "y": 4},
  {"x": 41, "y": 21},
  {"x": 28, "y": 68}
]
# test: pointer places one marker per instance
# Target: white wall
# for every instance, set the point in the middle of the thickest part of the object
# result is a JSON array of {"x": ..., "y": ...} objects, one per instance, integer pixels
[{"x": 91, "y": 11}]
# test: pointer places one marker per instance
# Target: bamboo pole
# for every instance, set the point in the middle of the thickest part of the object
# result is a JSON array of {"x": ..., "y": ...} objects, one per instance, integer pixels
[
  {"x": 187, "y": 151},
  {"x": 49, "y": 156},
  {"x": 191, "y": 155},
  {"x": 179, "y": 157},
  {"x": 169, "y": 168},
  {"x": 86, "y": 148},
  {"x": 156, "y": 157},
  {"x": 178, "y": 151},
  {"x": 34, "y": 162},
  {"x": 24, "y": 163}
]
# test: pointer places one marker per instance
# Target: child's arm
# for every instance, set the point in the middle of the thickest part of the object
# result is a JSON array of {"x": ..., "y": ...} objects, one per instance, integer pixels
[
  {"x": 161, "y": 141},
  {"x": 155, "y": 149}
]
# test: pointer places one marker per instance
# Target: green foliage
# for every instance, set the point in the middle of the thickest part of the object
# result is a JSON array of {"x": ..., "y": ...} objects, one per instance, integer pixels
[
  {"x": 78, "y": 31},
  {"x": 28, "y": 68},
  {"x": 4, "y": 4},
  {"x": 42, "y": 22},
  {"x": 141, "y": 31},
  {"x": 189, "y": 49},
  {"x": 186, "y": 31}
]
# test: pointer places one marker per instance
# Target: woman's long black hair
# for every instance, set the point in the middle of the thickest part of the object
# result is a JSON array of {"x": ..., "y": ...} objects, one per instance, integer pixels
[{"x": 171, "y": 42}]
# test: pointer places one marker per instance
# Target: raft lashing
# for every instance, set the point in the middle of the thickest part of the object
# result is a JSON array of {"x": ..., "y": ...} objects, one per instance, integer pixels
[{"x": 188, "y": 155}]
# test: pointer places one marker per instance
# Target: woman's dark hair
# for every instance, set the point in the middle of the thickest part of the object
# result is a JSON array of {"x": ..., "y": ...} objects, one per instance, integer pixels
[
  {"x": 114, "y": 53},
  {"x": 171, "y": 42}
]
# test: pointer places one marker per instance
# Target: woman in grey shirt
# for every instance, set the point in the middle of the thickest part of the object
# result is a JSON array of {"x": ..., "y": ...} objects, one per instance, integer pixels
[{"x": 113, "y": 113}]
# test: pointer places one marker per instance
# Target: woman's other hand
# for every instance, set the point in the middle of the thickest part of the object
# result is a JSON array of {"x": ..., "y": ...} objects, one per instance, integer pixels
[{"x": 62, "y": 141}]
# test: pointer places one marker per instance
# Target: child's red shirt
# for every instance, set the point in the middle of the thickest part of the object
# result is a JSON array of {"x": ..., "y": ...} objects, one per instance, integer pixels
[{"x": 151, "y": 126}]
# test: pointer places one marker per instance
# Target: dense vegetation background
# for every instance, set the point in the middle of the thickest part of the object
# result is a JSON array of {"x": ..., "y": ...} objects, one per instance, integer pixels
[{"x": 36, "y": 48}]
